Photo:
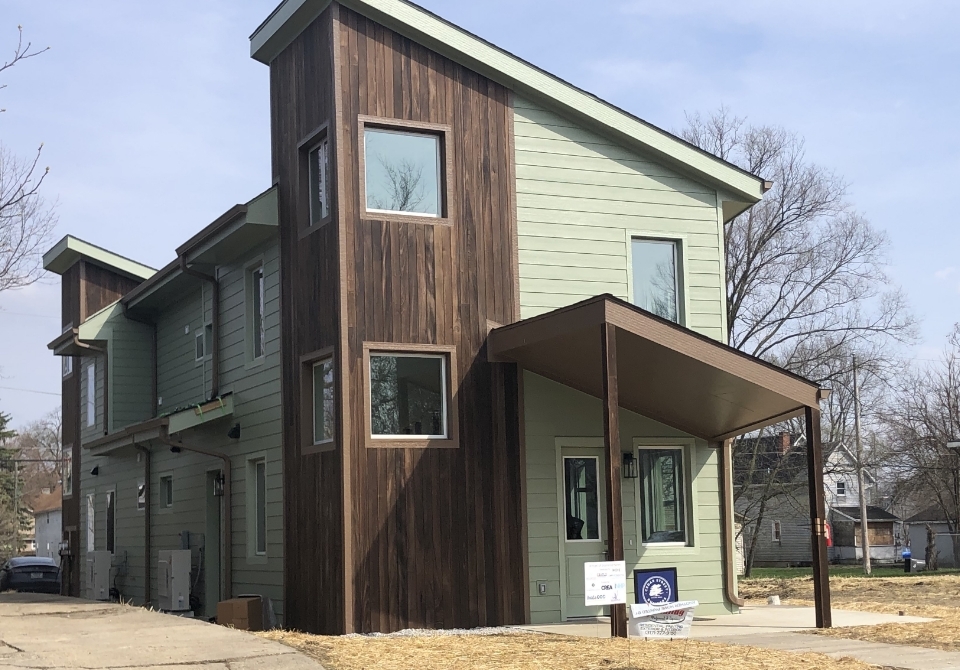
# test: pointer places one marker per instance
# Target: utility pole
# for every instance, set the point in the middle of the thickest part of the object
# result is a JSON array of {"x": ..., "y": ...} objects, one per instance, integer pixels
[
  {"x": 864, "y": 519},
  {"x": 16, "y": 508}
]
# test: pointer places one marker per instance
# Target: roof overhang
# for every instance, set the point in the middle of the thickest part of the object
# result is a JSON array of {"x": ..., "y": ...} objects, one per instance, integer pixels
[
  {"x": 70, "y": 249},
  {"x": 145, "y": 433},
  {"x": 292, "y": 16},
  {"x": 665, "y": 372}
]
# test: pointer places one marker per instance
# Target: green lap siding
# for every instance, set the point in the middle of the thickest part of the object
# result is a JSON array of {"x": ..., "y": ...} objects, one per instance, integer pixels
[
  {"x": 553, "y": 413},
  {"x": 580, "y": 198}
]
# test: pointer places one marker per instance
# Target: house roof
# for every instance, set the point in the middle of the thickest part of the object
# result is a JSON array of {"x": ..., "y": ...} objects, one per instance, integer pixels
[
  {"x": 416, "y": 23},
  {"x": 758, "y": 459},
  {"x": 48, "y": 502},
  {"x": 702, "y": 387},
  {"x": 930, "y": 515},
  {"x": 873, "y": 513},
  {"x": 70, "y": 249}
]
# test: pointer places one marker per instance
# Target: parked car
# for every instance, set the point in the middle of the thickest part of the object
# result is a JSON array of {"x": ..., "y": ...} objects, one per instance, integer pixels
[{"x": 31, "y": 574}]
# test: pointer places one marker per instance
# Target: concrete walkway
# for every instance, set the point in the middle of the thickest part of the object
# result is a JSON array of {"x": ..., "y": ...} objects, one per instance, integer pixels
[
  {"x": 783, "y": 628},
  {"x": 39, "y": 631}
]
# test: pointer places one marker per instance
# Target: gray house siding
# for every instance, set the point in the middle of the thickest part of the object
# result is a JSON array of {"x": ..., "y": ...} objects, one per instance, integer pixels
[
  {"x": 47, "y": 533},
  {"x": 793, "y": 547}
]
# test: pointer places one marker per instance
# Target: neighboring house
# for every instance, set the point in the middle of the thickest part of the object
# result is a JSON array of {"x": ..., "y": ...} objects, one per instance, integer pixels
[
  {"x": 884, "y": 533},
  {"x": 407, "y": 355},
  {"x": 48, "y": 522},
  {"x": 947, "y": 541},
  {"x": 778, "y": 479}
]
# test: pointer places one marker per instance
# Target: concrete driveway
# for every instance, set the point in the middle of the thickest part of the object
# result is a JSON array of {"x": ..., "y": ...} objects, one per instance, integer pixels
[{"x": 40, "y": 631}]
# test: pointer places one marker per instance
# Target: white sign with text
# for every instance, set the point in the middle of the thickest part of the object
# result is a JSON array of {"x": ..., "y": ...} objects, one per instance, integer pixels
[
  {"x": 605, "y": 583},
  {"x": 669, "y": 620}
]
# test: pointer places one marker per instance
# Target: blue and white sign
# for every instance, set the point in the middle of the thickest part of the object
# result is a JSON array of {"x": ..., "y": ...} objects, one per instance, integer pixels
[
  {"x": 605, "y": 583},
  {"x": 656, "y": 587}
]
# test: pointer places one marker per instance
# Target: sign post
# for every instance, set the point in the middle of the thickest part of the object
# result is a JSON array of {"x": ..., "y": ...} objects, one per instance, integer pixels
[{"x": 605, "y": 583}]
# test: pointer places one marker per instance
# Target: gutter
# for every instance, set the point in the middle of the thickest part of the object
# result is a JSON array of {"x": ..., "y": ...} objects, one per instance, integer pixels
[
  {"x": 215, "y": 323},
  {"x": 727, "y": 536},
  {"x": 227, "y": 562}
]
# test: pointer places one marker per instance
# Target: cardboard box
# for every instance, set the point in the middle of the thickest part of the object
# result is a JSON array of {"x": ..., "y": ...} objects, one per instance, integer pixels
[{"x": 244, "y": 613}]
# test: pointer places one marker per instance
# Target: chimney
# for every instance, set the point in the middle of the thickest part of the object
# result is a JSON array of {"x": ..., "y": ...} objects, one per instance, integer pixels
[{"x": 785, "y": 443}]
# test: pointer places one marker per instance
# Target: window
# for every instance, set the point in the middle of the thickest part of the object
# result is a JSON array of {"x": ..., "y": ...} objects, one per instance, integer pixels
[
  {"x": 166, "y": 491},
  {"x": 581, "y": 498},
  {"x": 260, "y": 468},
  {"x": 67, "y": 459},
  {"x": 841, "y": 489},
  {"x": 111, "y": 521},
  {"x": 402, "y": 172},
  {"x": 663, "y": 494},
  {"x": 141, "y": 496},
  {"x": 656, "y": 286},
  {"x": 67, "y": 365},
  {"x": 408, "y": 395},
  {"x": 323, "y": 402},
  {"x": 777, "y": 535},
  {"x": 208, "y": 339},
  {"x": 257, "y": 333},
  {"x": 319, "y": 174},
  {"x": 91, "y": 523},
  {"x": 90, "y": 384},
  {"x": 200, "y": 346}
]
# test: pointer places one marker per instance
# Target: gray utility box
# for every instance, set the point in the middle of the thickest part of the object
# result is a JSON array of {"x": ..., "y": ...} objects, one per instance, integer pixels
[
  {"x": 98, "y": 575},
  {"x": 173, "y": 580}
]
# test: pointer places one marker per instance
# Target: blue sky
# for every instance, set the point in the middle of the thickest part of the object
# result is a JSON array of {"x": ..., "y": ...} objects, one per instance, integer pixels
[{"x": 155, "y": 120}]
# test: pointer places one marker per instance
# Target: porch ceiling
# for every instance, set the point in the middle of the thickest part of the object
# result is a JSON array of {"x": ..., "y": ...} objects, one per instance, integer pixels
[{"x": 665, "y": 372}]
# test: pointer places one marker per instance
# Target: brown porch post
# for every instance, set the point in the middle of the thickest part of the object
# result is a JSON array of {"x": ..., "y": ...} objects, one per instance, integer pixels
[
  {"x": 611, "y": 441},
  {"x": 821, "y": 576}
]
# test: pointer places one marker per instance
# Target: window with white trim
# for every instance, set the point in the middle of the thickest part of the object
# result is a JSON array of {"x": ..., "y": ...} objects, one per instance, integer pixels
[
  {"x": 90, "y": 386},
  {"x": 841, "y": 489},
  {"x": 408, "y": 395},
  {"x": 67, "y": 465},
  {"x": 656, "y": 277},
  {"x": 91, "y": 522},
  {"x": 663, "y": 516},
  {"x": 257, "y": 332},
  {"x": 777, "y": 532},
  {"x": 67, "y": 366}
]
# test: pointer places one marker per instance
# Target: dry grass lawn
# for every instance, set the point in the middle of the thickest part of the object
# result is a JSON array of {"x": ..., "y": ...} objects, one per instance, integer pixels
[
  {"x": 932, "y": 596},
  {"x": 553, "y": 652}
]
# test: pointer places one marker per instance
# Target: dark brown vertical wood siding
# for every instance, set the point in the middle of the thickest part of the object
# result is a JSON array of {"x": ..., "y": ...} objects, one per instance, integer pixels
[
  {"x": 436, "y": 533},
  {"x": 301, "y": 100}
]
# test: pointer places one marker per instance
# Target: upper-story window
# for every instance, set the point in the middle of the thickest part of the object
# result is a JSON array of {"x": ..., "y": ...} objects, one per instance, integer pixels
[
  {"x": 841, "y": 488},
  {"x": 256, "y": 329},
  {"x": 319, "y": 174},
  {"x": 403, "y": 172},
  {"x": 656, "y": 277},
  {"x": 90, "y": 387},
  {"x": 67, "y": 364}
]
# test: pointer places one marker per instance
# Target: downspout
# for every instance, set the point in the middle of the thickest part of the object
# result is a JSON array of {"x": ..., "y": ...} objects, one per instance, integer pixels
[
  {"x": 228, "y": 508},
  {"x": 215, "y": 323},
  {"x": 728, "y": 537},
  {"x": 147, "y": 548}
]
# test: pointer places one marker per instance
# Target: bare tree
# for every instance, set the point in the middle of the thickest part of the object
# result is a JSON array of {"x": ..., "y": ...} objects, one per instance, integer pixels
[
  {"x": 38, "y": 445},
  {"x": 406, "y": 187},
  {"x": 806, "y": 288},
  {"x": 26, "y": 220}
]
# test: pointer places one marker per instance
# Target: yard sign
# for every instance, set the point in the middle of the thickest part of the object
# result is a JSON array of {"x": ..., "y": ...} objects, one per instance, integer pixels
[
  {"x": 605, "y": 583},
  {"x": 669, "y": 620}
]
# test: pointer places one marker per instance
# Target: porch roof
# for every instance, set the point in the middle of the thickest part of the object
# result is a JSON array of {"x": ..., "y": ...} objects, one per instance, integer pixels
[{"x": 665, "y": 371}]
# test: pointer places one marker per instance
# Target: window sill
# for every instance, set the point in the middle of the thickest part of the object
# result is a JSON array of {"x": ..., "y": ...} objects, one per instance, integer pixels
[
  {"x": 253, "y": 363},
  {"x": 413, "y": 443},
  {"x": 395, "y": 217},
  {"x": 257, "y": 559},
  {"x": 323, "y": 448},
  {"x": 307, "y": 231}
]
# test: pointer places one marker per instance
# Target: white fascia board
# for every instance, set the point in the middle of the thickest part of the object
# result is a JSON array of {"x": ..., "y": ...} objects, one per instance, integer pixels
[
  {"x": 70, "y": 249},
  {"x": 516, "y": 74}
]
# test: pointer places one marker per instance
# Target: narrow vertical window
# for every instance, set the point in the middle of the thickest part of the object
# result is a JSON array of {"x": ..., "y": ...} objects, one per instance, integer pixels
[
  {"x": 319, "y": 160},
  {"x": 582, "y": 500},
  {"x": 200, "y": 346},
  {"x": 91, "y": 388},
  {"x": 256, "y": 305},
  {"x": 67, "y": 364},
  {"x": 656, "y": 285},
  {"x": 166, "y": 491},
  {"x": 67, "y": 474},
  {"x": 323, "y": 402},
  {"x": 141, "y": 496},
  {"x": 261, "y": 506},
  {"x": 111, "y": 522},
  {"x": 663, "y": 495},
  {"x": 777, "y": 531},
  {"x": 91, "y": 523}
]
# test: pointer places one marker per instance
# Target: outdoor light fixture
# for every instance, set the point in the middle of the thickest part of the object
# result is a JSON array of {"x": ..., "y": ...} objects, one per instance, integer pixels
[
  {"x": 218, "y": 485},
  {"x": 95, "y": 471},
  {"x": 234, "y": 433},
  {"x": 175, "y": 450},
  {"x": 629, "y": 468}
]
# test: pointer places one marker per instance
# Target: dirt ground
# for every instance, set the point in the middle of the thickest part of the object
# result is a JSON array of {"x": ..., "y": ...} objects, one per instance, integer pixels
[
  {"x": 925, "y": 595},
  {"x": 543, "y": 651}
]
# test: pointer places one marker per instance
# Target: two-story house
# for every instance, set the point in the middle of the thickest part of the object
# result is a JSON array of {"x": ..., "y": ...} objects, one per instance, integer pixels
[{"x": 493, "y": 320}]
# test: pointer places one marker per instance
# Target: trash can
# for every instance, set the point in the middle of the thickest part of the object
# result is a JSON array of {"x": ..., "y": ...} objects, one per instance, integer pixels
[{"x": 906, "y": 559}]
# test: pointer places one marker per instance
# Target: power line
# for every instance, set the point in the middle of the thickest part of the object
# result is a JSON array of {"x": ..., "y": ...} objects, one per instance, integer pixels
[{"x": 13, "y": 388}]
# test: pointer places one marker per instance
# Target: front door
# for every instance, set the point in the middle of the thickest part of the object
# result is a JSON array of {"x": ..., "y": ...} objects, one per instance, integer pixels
[{"x": 583, "y": 509}]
